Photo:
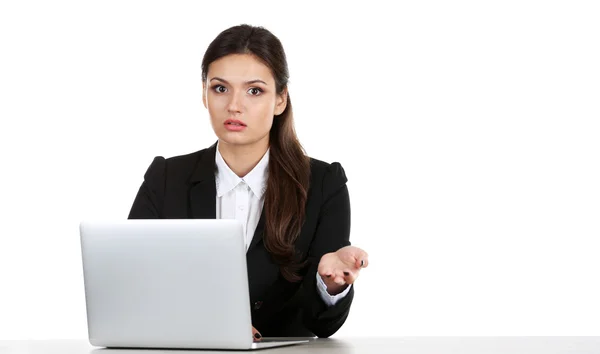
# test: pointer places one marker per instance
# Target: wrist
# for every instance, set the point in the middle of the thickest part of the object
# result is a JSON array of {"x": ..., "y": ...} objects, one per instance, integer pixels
[{"x": 336, "y": 289}]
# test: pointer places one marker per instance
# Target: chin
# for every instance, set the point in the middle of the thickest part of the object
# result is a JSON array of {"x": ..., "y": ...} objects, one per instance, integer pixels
[{"x": 235, "y": 138}]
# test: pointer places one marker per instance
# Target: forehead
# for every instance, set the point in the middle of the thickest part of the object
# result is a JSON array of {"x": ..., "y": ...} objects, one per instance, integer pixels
[{"x": 240, "y": 68}]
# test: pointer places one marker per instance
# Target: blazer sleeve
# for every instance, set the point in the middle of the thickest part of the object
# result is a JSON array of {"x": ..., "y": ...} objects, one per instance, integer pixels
[
  {"x": 150, "y": 197},
  {"x": 332, "y": 233}
]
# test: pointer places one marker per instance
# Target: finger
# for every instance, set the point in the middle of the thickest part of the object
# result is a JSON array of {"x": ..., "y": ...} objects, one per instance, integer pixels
[
  {"x": 326, "y": 272},
  {"x": 324, "y": 268},
  {"x": 350, "y": 277},
  {"x": 326, "y": 260},
  {"x": 362, "y": 261},
  {"x": 339, "y": 280},
  {"x": 256, "y": 336}
]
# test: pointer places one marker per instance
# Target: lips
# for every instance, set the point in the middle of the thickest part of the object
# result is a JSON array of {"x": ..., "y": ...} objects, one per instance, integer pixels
[
  {"x": 234, "y": 122},
  {"x": 234, "y": 125}
]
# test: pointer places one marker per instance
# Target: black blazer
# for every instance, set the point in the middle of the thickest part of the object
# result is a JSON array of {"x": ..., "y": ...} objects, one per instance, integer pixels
[{"x": 183, "y": 187}]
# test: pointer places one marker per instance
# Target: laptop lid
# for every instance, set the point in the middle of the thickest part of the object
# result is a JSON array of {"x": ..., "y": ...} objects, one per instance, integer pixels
[{"x": 166, "y": 283}]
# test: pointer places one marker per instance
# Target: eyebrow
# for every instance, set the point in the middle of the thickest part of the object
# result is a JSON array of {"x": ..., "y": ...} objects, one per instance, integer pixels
[{"x": 247, "y": 82}]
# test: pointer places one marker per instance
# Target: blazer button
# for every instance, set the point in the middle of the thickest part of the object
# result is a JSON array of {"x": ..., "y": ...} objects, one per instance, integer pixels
[{"x": 257, "y": 305}]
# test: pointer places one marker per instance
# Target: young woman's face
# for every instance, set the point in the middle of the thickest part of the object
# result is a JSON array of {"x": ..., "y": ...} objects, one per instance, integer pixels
[{"x": 240, "y": 96}]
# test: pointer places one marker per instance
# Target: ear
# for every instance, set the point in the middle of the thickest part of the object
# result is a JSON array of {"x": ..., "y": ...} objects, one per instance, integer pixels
[
  {"x": 281, "y": 102},
  {"x": 204, "y": 94}
]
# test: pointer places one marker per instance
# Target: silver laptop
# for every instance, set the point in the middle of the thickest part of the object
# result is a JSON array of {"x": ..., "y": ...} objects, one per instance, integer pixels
[{"x": 168, "y": 284}]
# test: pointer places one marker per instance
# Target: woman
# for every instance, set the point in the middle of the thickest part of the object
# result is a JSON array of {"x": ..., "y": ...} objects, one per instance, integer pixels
[{"x": 295, "y": 209}]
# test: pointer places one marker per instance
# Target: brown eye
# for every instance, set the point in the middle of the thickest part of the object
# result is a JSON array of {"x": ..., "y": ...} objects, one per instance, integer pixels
[
  {"x": 219, "y": 89},
  {"x": 255, "y": 91}
]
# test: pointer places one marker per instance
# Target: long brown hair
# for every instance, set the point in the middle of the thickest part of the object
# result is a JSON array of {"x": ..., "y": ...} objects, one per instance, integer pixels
[{"x": 289, "y": 166}]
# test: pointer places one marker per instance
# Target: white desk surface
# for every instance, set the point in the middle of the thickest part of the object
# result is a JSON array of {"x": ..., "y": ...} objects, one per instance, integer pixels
[{"x": 359, "y": 345}]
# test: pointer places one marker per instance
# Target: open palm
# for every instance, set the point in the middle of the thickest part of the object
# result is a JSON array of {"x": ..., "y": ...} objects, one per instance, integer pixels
[{"x": 342, "y": 267}]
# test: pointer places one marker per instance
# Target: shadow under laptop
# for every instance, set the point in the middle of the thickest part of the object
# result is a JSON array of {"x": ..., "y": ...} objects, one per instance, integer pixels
[{"x": 334, "y": 346}]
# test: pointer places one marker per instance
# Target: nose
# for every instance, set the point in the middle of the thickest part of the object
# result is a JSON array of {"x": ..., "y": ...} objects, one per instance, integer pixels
[{"x": 235, "y": 103}]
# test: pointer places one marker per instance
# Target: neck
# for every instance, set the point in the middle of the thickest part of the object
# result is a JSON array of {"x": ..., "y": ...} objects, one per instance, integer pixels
[{"x": 241, "y": 159}]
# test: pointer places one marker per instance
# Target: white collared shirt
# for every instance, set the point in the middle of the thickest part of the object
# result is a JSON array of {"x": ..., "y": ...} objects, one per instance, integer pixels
[{"x": 243, "y": 199}]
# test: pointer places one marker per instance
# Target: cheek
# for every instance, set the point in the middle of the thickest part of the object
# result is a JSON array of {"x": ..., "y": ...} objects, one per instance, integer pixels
[
  {"x": 215, "y": 104},
  {"x": 212, "y": 99},
  {"x": 265, "y": 108},
  {"x": 265, "y": 114}
]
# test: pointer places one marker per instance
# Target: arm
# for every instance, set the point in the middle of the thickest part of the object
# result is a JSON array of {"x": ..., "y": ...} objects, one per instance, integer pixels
[
  {"x": 332, "y": 233},
  {"x": 149, "y": 199}
]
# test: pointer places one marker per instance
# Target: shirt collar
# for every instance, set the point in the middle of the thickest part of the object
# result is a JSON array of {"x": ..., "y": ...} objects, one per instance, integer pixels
[{"x": 226, "y": 179}]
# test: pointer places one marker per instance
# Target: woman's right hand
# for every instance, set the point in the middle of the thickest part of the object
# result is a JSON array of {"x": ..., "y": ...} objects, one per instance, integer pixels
[{"x": 256, "y": 335}]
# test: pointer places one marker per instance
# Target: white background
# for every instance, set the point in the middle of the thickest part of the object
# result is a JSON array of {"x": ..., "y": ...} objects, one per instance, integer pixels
[{"x": 469, "y": 131}]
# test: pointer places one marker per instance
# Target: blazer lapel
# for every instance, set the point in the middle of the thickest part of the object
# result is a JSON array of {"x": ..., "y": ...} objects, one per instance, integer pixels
[
  {"x": 203, "y": 191},
  {"x": 203, "y": 194}
]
